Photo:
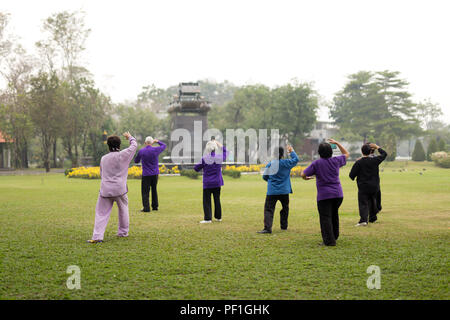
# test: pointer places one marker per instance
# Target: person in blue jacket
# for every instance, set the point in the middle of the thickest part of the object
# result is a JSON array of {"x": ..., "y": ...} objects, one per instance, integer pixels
[{"x": 277, "y": 174}]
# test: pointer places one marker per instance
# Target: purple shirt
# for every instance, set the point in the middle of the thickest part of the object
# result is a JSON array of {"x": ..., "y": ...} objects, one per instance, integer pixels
[
  {"x": 114, "y": 171},
  {"x": 149, "y": 156},
  {"x": 327, "y": 176},
  {"x": 212, "y": 169}
]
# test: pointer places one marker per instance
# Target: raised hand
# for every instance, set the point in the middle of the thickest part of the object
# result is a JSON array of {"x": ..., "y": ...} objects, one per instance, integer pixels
[
  {"x": 289, "y": 149},
  {"x": 127, "y": 135},
  {"x": 332, "y": 141}
]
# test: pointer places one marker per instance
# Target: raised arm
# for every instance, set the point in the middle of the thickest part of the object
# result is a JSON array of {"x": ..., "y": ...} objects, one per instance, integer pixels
[
  {"x": 292, "y": 162},
  {"x": 128, "y": 153},
  {"x": 382, "y": 155},
  {"x": 162, "y": 145},
  {"x": 341, "y": 148}
]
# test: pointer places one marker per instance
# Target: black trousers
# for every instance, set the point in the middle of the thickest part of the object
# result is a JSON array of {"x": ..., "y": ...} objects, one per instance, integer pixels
[
  {"x": 329, "y": 219},
  {"x": 207, "y": 203},
  {"x": 147, "y": 183},
  {"x": 368, "y": 206},
  {"x": 378, "y": 201},
  {"x": 269, "y": 208}
]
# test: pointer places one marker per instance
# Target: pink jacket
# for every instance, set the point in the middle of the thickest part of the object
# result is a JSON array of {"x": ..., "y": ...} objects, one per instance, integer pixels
[{"x": 114, "y": 171}]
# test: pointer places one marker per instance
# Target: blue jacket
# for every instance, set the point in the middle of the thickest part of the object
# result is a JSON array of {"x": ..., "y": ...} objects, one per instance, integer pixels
[{"x": 279, "y": 181}]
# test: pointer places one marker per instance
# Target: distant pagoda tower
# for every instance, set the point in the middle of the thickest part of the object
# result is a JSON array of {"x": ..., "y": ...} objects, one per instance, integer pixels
[{"x": 189, "y": 106}]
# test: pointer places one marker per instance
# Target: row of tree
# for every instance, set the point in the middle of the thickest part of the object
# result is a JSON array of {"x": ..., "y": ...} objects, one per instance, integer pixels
[{"x": 52, "y": 110}]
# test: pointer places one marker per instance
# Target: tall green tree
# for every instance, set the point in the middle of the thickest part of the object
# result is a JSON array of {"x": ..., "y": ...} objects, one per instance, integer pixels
[
  {"x": 140, "y": 121},
  {"x": 45, "y": 111},
  {"x": 295, "y": 107},
  {"x": 418, "y": 152},
  {"x": 432, "y": 148},
  {"x": 16, "y": 67},
  {"x": 376, "y": 103}
]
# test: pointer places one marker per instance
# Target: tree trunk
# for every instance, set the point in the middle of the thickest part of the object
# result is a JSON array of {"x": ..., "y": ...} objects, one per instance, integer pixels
[
  {"x": 55, "y": 165},
  {"x": 25, "y": 155}
]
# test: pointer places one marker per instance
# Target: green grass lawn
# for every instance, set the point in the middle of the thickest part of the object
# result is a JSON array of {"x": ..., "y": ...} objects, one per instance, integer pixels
[{"x": 46, "y": 219}]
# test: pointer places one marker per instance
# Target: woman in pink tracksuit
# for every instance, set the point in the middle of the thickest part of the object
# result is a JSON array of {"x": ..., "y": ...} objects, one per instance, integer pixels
[{"x": 113, "y": 188}]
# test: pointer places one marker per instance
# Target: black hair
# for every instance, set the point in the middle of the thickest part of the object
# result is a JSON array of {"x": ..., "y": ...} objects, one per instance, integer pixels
[
  {"x": 113, "y": 143},
  {"x": 325, "y": 150},
  {"x": 366, "y": 149},
  {"x": 280, "y": 152}
]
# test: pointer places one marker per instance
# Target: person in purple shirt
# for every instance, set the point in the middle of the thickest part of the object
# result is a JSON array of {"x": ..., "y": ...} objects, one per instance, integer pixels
[
  {"x": 113, "y": 187},
  {"x": 150, "y": 171},
  {"x": 211, "y": 165},
  {"x": 329, "y": 189}
]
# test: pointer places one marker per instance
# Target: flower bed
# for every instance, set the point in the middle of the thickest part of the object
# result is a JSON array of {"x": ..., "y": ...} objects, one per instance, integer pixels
[{"x": 134, "y": 172}]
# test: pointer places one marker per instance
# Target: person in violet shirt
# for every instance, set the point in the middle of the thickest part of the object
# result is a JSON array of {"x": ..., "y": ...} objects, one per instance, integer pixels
[
  {"x": 150, "y": 171},
  {"x": 329, "y": 189},
  {"x": 211, "y": 164},
  {"x": 113, "y": 187}
]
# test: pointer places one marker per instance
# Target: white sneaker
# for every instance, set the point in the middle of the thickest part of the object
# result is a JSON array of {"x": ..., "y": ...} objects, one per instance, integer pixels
[
  {"x": 205, "y": 221},
  {"x": 361, "y": 224},
  {"x": 218, "y": 220}
]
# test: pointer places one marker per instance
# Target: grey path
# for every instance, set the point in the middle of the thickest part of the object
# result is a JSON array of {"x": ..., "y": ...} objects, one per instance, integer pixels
[{"x": 29, "y": 172}]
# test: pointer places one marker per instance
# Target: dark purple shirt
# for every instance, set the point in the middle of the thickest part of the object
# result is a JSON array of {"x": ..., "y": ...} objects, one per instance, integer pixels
[
  {"x": 327, "y": 176},
  {"x": 212, "y": 169},
  {"x": 149, "y": 157}
]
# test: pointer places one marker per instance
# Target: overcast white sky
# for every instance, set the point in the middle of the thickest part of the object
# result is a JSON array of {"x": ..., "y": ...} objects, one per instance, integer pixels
[{"x": 135, "y": 43}]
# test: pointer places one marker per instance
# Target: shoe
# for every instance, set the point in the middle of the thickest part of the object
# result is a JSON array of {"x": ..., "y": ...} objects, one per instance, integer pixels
[
  {"x": 94, "y": 241},
  {"x": 284, "y": 229},
  {"x": 155, "y": 209},
  {"x": 122, "y": 236},
  {"x": 205, "y": 221},
  {"x": 218, "y": 220},
  {"x": 361, "y": 224},
  {"x": 264, "y": 231},
  {"x": 145, "y": 210}
]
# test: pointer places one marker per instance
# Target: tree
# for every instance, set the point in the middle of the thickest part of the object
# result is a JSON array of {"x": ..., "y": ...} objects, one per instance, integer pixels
[
  {"x": 140, "y": 121},
  {"x": 67, "y": 35},
  {"x": 418, "y": 153},
  {"x": 442, "y": 146},
  {"x": 375, "y": 103},
  {"x": 45, "y": 111},
  {"x": 428, "y": 113},
  {"x": 294, "y": 111},
  {"x": 389, "y": 144},
  {"x": 432, "y": 148},
  {"x": 16, "y": 68}
]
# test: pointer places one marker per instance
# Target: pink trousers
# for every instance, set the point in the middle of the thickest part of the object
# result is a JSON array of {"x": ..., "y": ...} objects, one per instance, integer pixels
[{"x": 103, "y": 211}]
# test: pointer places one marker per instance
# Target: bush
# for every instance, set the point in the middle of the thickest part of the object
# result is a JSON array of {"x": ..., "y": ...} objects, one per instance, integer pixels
[
  {"x": 441, "y": 159},
  {"x": 190, "y": 173},
  {"x": 444, "y": 163},
  {"x": 232, "y": 173},
  {"x": 418, "y": 153}
]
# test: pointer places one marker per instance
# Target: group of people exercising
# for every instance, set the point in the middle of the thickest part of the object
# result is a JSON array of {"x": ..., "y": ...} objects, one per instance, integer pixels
[{"x": 325, "y": 170}]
